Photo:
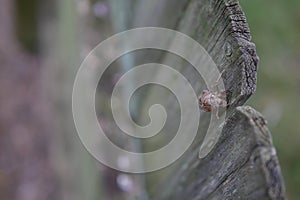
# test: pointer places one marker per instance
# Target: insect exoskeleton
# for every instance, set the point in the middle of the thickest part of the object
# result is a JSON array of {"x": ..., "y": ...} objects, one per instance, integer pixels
[{"x": 209, "y": 100}]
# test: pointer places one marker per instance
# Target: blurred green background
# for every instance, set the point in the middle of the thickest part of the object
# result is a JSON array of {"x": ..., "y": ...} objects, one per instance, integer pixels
[{"x": 275, "y": 29}]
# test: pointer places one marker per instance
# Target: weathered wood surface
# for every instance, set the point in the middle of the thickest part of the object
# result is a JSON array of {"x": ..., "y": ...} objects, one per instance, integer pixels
[
  {"x": 243, "y": 165},
  {"x": 219, "y": 26}
]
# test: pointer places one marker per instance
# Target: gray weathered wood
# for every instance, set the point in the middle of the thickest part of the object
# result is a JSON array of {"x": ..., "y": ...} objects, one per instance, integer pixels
[{"x": 243, "y": 165}]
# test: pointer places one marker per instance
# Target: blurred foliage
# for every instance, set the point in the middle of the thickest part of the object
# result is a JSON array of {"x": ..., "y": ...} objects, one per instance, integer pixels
[
  {"x": 27, "y": 22},
  {"x": 275, "y": 28}
]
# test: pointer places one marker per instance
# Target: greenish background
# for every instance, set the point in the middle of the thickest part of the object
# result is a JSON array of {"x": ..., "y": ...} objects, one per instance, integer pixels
[{"x": 275, "y": 29}]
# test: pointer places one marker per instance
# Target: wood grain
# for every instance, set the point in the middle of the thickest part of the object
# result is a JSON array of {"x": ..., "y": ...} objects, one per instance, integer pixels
[{"x": 243, "y": 164}]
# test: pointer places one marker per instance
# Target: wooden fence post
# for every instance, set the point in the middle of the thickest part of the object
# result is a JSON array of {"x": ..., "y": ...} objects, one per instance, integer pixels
[{"x": 243, "y": 164}]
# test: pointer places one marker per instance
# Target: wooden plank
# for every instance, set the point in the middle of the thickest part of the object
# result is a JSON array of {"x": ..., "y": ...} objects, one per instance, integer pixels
[
  {"x": 209, "y": 23},
  {"x": 243, "y": 165},
  {"x": 220, "y": 27},
  {"x": 213, "y": 25}
]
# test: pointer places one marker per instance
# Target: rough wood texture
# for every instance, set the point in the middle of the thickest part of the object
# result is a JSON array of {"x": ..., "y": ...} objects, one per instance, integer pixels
[
  {"x": 243, "y": 165},
  {"x": 219, "y": 26}
]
